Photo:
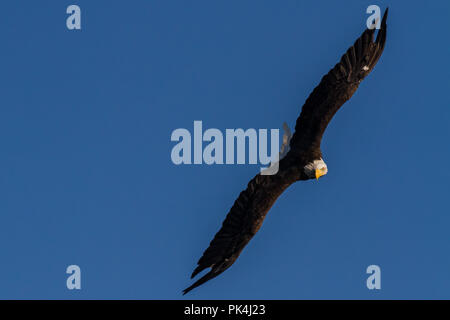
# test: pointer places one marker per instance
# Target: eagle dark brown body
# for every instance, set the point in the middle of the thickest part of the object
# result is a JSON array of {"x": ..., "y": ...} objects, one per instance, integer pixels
[{"x": 249, "y": 210}]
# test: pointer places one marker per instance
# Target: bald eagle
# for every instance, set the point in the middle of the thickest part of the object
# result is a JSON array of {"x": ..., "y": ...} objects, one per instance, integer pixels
[{"x": 303, "y": 161}]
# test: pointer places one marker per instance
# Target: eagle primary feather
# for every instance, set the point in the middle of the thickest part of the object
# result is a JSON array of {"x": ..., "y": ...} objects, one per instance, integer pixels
[{"x": 249, "y": 210}]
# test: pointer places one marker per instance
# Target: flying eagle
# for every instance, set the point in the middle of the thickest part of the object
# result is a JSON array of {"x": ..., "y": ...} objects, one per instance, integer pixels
[{"x": 303, "y": 161}]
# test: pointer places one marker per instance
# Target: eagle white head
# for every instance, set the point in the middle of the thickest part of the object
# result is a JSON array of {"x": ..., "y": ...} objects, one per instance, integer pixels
[{"x": 316, "y": 169}]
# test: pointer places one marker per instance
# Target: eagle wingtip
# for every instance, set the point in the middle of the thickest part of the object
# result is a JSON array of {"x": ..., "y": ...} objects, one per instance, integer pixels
[
  {"x": 385, "y": 15},
  {"x": 197, "y": 271}
]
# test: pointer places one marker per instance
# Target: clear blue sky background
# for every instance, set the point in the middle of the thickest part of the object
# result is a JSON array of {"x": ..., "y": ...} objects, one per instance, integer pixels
[{"x": 85, "y": 170}]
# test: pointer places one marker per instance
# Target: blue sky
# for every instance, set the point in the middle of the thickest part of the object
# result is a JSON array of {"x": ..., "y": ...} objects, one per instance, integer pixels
[{"x": 86, "y": 176}]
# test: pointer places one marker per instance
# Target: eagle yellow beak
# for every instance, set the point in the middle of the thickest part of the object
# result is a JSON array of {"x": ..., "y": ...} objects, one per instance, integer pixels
[{"x": 319, "y": 173}]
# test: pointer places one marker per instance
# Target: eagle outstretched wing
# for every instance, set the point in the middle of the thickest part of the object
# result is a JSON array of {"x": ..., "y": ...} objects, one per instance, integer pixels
[
  {"x": 241, "y": 223},
  {"x": 249, "y": 210},
  {"x": 337, "y": 87}
]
